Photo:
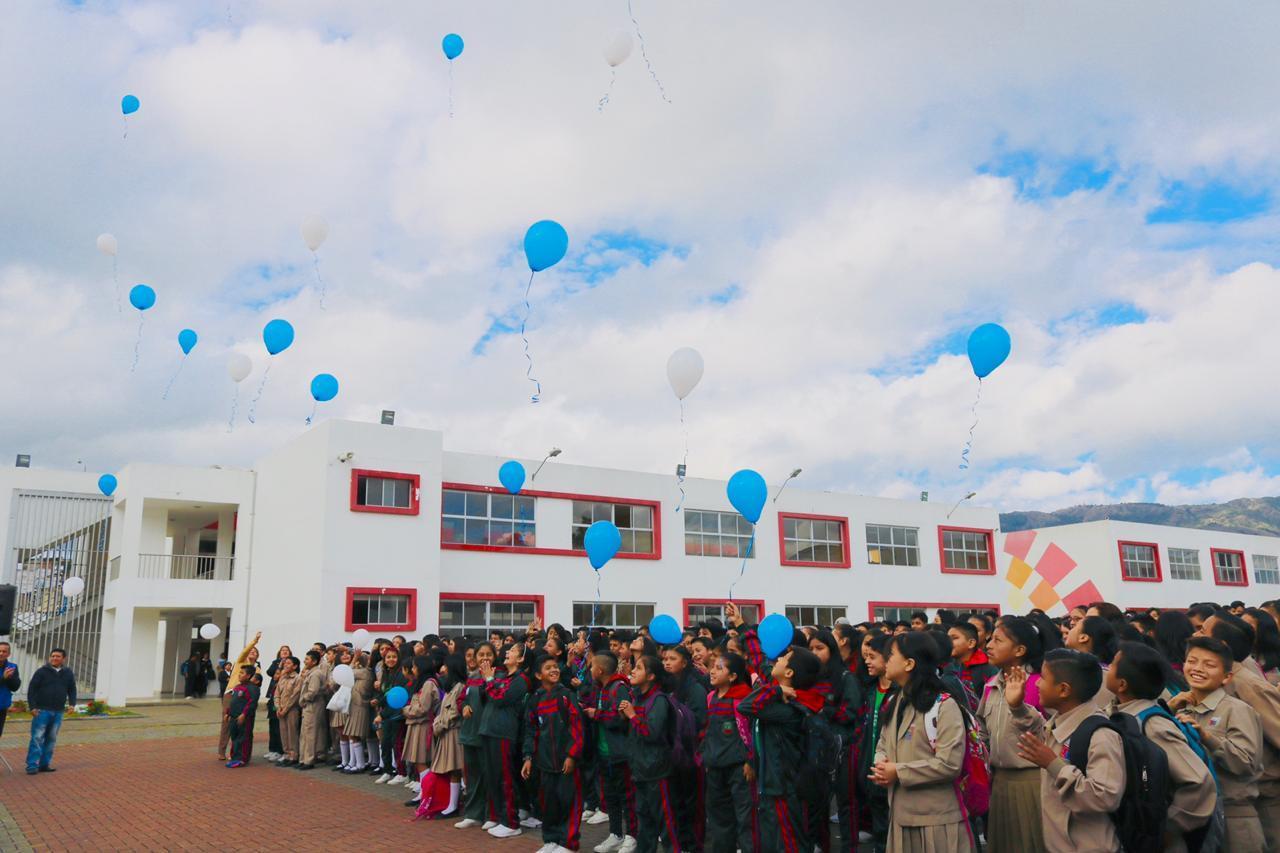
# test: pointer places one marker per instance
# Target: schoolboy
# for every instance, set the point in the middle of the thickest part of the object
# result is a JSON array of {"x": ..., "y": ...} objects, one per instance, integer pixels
[
  {"x": 312, "y": 700},
  {"x": 553, "y": 745},
  {"x": 288, "y": 686},
  {"x": 968, "y": 661},
  {"x": 611, "y": 730},
  {"x": 1232, "y": 733},
  {"x": 776, "y": 708},
  {"x": 239, "y": 717},
  {"x": 1077, "y": 800},
  {"x": 1137, "y": 678}
]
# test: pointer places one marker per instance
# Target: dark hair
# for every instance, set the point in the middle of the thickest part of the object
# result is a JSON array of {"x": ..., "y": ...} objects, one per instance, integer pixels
[
  {"x": 706, "y": 642},
  {"x": 1035, "y": 632},
  {"x": 919, "y": 614},
  {"x": 921, "y": 691},
  {"x": 737, "y": 666},
  {"x": 1103, "y": 637},
  {"x": 1081, "y": 670},
  {"x": 1215, "y": 647},
  {"x": 1143, "y": 670},
  {"x": 805, "y": 667},
  {"x": 56, "y": 650},
  {"x": 880, "y": 644},
  {"x": 1106, "y": 610},
  {"x": 835, "y": 668},
  {"x": 624, "y": 636},
  {"x": 1235, "y": 632},
  {"x": 987, "y": 623},
  {"x": 1237, "y": 603},
  {"x": 946, "y": 617},
  {"x": 943, "y": 643},
  {"x": 966, "y": 628},
  {"x": 1173, "y": 629},
  {"x": 422, "y": 663},
  {"x": 542, "y": 659},
  {"x": 1199, "y": 611},
  {"x": 648, "y": 648},
  {"x": 1266, "y": 645},
  {"x": 312, "y": 655},
  {"x": 244, "y": 667},
  {"x": 661, "y": 679}
]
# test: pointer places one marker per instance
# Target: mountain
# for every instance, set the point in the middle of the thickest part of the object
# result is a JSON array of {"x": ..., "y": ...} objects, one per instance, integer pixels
[{"x": 1245, "y": 515}]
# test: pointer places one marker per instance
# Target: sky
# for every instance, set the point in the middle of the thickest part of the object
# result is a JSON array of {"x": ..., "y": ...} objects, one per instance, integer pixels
[{"x": 828, "y": 199}]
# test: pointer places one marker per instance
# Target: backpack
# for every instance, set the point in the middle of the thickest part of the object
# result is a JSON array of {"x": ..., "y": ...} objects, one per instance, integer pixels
[
  {"x": 1211, "y": 837},
  {"x": 1144, "y": 805},
  {"x": 973, "y": 786},
  {"x": 820, "y": 754},
  {"x": 682, "y": 733}
]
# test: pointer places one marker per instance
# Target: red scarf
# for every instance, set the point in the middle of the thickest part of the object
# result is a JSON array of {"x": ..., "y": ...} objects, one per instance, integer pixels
[{"x": 811, "y": 699}]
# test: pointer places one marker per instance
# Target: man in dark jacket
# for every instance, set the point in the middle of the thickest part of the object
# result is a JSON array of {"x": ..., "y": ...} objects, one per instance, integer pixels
[
  {"x": 52, "y": 688},
  {"x": 9, "y": 682}
]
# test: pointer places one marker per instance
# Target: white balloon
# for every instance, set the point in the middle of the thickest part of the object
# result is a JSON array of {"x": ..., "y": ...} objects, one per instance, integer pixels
[
  {"x": 107, "y": 244},
  {"x": 684, "y": 371},
  {"x": 71, "y": 587},
  {"x": 343, "y": 676},
  {"x": 314, "y": 232},
  {"x": 359, "y": 637},
  {"x": 209, "y": 630},
  {"x": 617, "y": 50},
  {"x": 239, "y": 366}
]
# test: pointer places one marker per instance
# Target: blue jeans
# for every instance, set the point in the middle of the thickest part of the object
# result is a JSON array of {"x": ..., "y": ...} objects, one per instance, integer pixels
[{"x": 44, "y": 735}]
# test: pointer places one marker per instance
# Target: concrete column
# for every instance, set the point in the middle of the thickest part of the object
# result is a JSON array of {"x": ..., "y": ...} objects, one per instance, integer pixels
[
  {"x": 117, "y": 646},
  {"x": 226, "y": 537}
]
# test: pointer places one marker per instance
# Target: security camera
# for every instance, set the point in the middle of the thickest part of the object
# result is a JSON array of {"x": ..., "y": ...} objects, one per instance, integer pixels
[{"x": 346, "y": 457}]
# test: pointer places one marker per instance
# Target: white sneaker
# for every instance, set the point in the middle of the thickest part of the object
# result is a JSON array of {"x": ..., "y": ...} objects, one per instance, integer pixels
[
  {"x": 588, "y": 813},
  {"x": 466, "y": 823},
  {"x": 398, "y": 780},
  {"x": 384, "y": 777},
  {"x": 531, "y": 822},
  {"x": 610, "y": 844},
  {"x": 548, "y": 847},
  {"x": 598, "y": 818},
  {"x": 864, "y": 837},
  {"x": 488, "y": 825},
  {"x": 628, "y": 844},
  {"x": 501, "y": 831},
  {"x": 557, "y": 849}
]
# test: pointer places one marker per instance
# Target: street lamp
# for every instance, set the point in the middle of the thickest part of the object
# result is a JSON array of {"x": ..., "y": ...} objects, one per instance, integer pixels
[
  {"x": 551, "y": 454},
  {"x": 792, "y": 476}
]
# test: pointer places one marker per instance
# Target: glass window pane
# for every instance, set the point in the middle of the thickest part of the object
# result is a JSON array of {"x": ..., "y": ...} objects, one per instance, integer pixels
[
  {"x": 622, "y": 515},
  {"x": 628, "y": 541},
  {"x": 729, "y": 546},
  {"x": 581, "y": 613},
  {"x": 473, "y": 613},
  {"x": 524, "y": 508},
  {"x": 477, "y": 532},
  {"x": 579, "y": 534},
  {"x": 836, "y": 552},
  {"x": 455, "y": 503},
  {"x": 477, "y": 504},
  {"x": 501, "y": 506},
  {"x": 451, "y": 530},
  {"x": 693, "y": 521},
  {"x": 804, "y": 529},
  {"x": 524, "y": 611},
  {"x": 501, "y": 533},
  {"x": 642, "y": 517},
  {"x": 602, "y": 512},
  {"x": 526, "y": 535},
  {"x": 582, "y": 513},
  {"x": 644, "y": 614},
  {"x": 643, "y": 542},
  {"x": 789, "y": 526},
  {"x": 360, "y": 610},
  {"x": 402, "y": 493},
  {"x": 451, "y": 613},
  {"x": 792, "y": 549},
  {"x": 693, "y": 544}
]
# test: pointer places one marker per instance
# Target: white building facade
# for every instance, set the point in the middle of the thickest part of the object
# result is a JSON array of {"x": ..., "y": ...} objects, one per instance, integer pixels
[{"x": 363, "y": 525}]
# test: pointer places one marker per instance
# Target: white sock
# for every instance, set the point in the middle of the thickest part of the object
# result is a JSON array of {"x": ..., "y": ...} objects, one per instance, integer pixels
[
  {"x": 455, "y": 789},
  {"x": 345, "y": 747},
  {"x": 357, "y": 755}
]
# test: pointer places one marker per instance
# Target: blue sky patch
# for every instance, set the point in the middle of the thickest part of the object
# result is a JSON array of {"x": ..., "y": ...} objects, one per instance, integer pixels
[
  {"x": 1213, "y": 202},
  {"x": 259, "y": 286},
  {"x": 1039, "y": 176}
]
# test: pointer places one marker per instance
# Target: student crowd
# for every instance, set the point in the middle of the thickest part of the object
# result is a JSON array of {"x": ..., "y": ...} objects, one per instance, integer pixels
[{"x": 1100, "y": 731}]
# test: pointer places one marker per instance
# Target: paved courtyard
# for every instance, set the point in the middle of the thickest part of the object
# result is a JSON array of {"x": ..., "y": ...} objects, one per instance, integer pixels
[{"x": 152, "y": 782}]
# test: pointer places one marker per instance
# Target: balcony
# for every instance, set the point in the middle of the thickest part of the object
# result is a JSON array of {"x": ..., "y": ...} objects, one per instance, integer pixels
[{"x": 185, "y": 567}]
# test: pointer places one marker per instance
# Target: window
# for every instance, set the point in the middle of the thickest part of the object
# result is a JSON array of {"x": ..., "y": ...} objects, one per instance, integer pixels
[
  {"x": 612, "y": 614},
  {"x": 700, "y": 610},
  {"x": 1184, "y": 564},
  {"x": 966, "y": 550},
  {"x": 1266, "y": 569},
  {"x": 813, "y": 540},
  {"x": 476, "y": 616},
  {"x": 815, "y": 614},
  {"x": 893, "y": 546},
  {"x": 716, "y": 534},
  {"x": 900, "y": 611},
  {"x": 382, "y": 608},
  {"x": 1140, "y": 561},
  {"x": 634, "y": 522},
  {"x": 384, "y": 491},
  {"x": 496, "y": 519},
  {"x": 1228, "y": 568}
]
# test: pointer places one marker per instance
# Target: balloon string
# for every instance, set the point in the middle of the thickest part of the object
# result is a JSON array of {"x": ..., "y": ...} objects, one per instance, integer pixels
[
  {"x": 253, "y": 405},
  {"x": 311, "y": 417},
  {"x": 523, "y": 323},
  {"x": 604, "y": 102},
  {"x": 137, "y": 345},
  {"x": 115, "y": 277},
  {"x": 968, "y": 445},
  {"x": 172, "y": 379},
  {"x": 645, "y": 56},
  {"x": 750, "y": 545},
  {"x": 316, "y": 259},
  {"x": 451, "y": 88},
  {"x": 235, "y": 404},
  {"x": 685, "y": 462},
  {"x": 125, "y": 119}
]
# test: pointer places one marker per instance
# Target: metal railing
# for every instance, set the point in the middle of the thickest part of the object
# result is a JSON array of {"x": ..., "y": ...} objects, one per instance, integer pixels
[{"x": 185, "y": 567}]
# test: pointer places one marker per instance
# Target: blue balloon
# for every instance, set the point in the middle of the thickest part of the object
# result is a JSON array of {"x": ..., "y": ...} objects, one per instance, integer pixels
[
  {"x": 324, "y": 387},
  {"x": 511, "y": 475},
  {"x": 545, "y": 244},
  {"x": 665, "y": 630},
  {"x": 452, "y": 45},
  {"x": 602, "y": 541},
  {"x": 107, "y": 484},
  {"x": 775, "y": 634},
  {"x": 142, "y": 297},
  {"x": 397, "y": 697},
  {"x": 748, "y": 492},
  {"x": 277, "y": 335},
  {"x": 187, "y": 340},
  {"x": 989, "y": 346},
  {"x": 129, "y": 104}
]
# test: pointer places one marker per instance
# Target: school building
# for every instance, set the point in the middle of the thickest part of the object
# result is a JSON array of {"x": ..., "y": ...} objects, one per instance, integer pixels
[{"x": 364, "y": 525}]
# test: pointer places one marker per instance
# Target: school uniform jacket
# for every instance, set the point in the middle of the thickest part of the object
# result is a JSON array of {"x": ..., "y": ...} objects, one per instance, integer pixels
[
  {"x": 312, "y": 692},
  {"x": 613, "y": 726},
  {"x": 553, "y": 730},
  {"x": 995, "y": 725},
  {"x": 473, "y": 698},
  {"x": 1077, "y": 805},
  {"x": 242, "y": 701},
  {"x": 777, "y": 731},
  {"x": 975, "y": 674},
  {"x": 1194, "y": 791},
  {"x": 288, "y": 689},
  {"x": 694, "y": 696},
  {"x": 727, "y": 740},
  {"x": 504, "y": 694},
  {"x": 1232, "y": 733},
  {"x": 1252, "y": 689},
  {"x": 849, "y": 701},
  {"x": 648, "y": 746},
  {"x": 925, "y": 794}
]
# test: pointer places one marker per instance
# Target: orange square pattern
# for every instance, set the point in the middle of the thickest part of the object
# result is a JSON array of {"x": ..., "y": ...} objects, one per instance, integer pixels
[{"x": 1044, "y": 596}]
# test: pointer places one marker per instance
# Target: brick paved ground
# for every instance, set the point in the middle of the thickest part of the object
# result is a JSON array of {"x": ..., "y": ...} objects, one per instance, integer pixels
[{"x": 152, "y": 783}]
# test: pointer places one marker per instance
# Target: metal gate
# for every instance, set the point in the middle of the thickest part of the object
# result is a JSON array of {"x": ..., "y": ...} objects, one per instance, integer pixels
[{"x": 55, "y": 536}]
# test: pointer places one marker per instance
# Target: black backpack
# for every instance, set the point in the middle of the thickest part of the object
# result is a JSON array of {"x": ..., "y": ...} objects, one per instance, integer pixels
[
  {"x": 820, "y": 753},
  {"x": 1144, "y": 806}
]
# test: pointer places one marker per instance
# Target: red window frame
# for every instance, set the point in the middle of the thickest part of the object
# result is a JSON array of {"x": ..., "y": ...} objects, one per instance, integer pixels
[
  {"x": 415, "y": 488},
  {"x": 539, "y": 601},
  {"x": 411, "y": 613},
  {"x": 656, "y": 506},
  {"x": 685, "y": 602},
  {"x": 1124, "y": 571},
  {"x": 921, "y": 605},
  {"x": 804, "y": 564},
  {"x": 942, "y": 553},
  {"x": 1244, "y": 567}
]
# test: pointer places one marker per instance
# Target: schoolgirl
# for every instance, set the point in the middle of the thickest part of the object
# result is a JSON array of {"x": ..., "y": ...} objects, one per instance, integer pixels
[
  {"x": 687, "y": 784},
  {"x": 475, "y": 807},
  {"x": 726, "y": 755},
  {"x": 649, "y": 754},
  {"x": 419, "y": 717},
  {"x": 505, "y": 690}
]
